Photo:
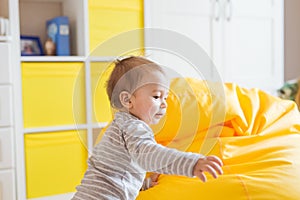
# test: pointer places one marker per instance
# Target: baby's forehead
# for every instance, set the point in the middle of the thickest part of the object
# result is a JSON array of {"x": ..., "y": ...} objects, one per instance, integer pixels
[
  {"x": 140, "y": 76},
  {"x": 154, "y": 78},
  {"x": 157, "y": 87}
]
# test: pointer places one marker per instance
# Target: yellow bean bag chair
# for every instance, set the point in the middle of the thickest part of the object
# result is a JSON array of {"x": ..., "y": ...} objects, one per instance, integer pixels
[{"x": 255, "y": 134}]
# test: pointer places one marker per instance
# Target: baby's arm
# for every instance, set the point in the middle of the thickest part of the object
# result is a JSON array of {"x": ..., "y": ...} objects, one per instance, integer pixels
[{"x": 156, "y": 158}]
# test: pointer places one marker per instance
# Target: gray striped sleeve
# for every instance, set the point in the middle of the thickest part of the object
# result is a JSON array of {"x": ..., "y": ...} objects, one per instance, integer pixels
[{"x": 154, "y": 157}]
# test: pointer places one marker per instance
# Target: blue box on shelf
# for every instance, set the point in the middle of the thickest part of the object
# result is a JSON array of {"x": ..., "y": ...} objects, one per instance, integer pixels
[{"x": 58, "y": 31}]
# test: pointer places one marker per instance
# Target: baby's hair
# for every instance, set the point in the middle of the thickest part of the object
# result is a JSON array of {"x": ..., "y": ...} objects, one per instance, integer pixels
[{"x": 128, "y": 81}]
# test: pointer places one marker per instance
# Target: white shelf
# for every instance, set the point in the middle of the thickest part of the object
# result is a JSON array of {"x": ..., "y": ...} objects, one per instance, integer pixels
[
  {"x": 53, "y": 58},
  {"x": 64, "y": 128},
  {"x": 67, "y": 59},
  {"x": 102, "y": 59},
  {"x": 55, "y": 128},
  {"x": 100, "y": 125}
]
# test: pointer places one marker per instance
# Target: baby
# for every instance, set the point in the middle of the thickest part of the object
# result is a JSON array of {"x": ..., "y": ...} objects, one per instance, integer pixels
[{"x": 138, "y": 89}]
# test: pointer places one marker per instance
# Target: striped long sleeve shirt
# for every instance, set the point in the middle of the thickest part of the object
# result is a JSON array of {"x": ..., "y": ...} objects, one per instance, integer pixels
[{"x": 119, "y": 162}]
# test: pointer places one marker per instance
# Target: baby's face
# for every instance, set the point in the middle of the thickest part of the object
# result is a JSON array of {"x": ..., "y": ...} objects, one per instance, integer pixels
[{"x": 149, "y": 100}]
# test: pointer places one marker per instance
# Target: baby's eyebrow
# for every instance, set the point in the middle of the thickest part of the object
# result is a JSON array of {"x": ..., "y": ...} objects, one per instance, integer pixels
[
  {"x": 165, "y": 94},
  {"x": 156, "y": 90},
  {"x": 161, "y": 91}
]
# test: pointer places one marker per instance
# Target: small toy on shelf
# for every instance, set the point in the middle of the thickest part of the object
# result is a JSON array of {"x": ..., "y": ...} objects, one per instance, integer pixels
[
  {"x": 58, "y": 31},
  {"x": 50, "y": 49}
]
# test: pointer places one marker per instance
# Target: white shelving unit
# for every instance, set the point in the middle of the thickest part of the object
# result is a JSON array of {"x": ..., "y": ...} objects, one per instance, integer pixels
[
  {"x": 28, "y": 17},
  {"x": 33, "y": 15}
]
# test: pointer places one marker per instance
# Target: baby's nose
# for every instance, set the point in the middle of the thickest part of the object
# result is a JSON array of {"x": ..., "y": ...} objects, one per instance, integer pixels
[{"x": 163, "y": 104}]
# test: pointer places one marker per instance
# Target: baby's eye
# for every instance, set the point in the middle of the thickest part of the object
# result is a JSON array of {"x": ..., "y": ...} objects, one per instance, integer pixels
[{"x": 156, "y": 97}]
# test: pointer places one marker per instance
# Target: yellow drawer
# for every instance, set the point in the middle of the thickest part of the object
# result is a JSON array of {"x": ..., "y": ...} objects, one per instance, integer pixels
[
  {"x": 120, "y": 16},
  {"x": 55, "y": 162},
  {"x": 53, "y": 94}
]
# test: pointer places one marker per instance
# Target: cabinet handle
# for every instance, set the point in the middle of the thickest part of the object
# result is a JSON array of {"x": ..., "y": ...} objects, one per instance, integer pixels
[
  {"x": 217, "y": 10},
  {"x": 229, "y": 10}
]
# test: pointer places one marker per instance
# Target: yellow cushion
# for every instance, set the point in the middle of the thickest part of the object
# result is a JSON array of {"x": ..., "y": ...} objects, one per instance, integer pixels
[
  {"x": 255, "y": 168},
  {"x": 258, "y": 141}
]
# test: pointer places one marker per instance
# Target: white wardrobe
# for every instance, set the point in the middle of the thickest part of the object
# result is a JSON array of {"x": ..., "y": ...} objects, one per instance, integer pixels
[{"x": 244, "y": 38}]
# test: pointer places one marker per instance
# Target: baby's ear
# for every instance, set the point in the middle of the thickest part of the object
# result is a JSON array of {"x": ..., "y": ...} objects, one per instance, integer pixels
[{"x": 125, "y": 99}]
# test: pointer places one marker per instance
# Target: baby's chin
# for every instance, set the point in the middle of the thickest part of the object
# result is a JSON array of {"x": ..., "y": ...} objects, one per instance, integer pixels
[{"x": 154, "y": 121}]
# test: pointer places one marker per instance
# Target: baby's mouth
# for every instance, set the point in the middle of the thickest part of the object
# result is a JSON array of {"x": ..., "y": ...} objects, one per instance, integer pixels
[{"x": 160, "y": 114}]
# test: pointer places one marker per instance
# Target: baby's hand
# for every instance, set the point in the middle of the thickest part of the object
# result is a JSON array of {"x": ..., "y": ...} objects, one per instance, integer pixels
[
  {"x": 150, "y": 181},
  {"x": 210, "y": 164},
  {"x": 154, "y": 178}
]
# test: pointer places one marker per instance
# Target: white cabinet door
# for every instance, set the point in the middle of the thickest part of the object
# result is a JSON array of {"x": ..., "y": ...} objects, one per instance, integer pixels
[
  {"x": 4, "y": 63},
  {"x": 191, "y": 18},
  {"x": 7, "y": 191},
  {"x": 5, "y": 106},
  {"x": 6, "y": 148},
  {"x": 244, "y": 38},
  {"x": 253, "y": 43}
]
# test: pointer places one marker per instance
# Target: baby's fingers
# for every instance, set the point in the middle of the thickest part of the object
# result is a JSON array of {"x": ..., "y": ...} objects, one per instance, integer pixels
[
  {"x": 153, "y": 184},
  {"x": 154, "y": 177},
  {"x": 215, "y": 159},
  {"x": 216, "y": 167},
  {"x": 212, "y": 171},
  {"x": 201, "y": 176}
]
